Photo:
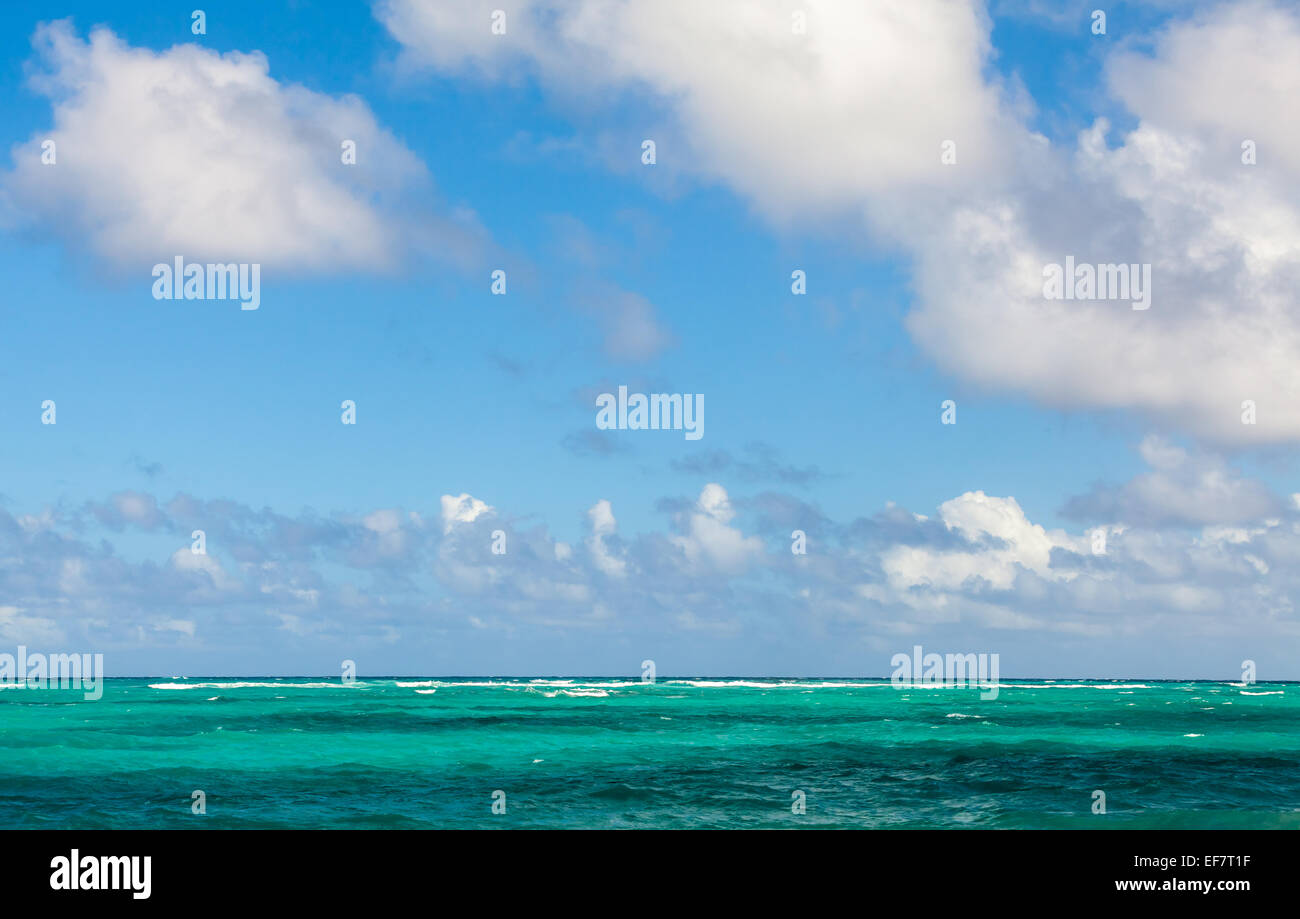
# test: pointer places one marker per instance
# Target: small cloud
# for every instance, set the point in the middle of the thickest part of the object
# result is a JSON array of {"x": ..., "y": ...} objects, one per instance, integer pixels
[
  {"x": 632, "y": 329},
  {"x": 183, "y": 626},
  {"x": 603, "y": 528},
  {"x": 760, "y": 464},
  {"x": 1182, "y": 488},
  {"x": 128, "y": 508},
  {"x": 146, "y": 469},
  {"x": 594, "y": 442},
  {"x": 508, "y": 365},
  {"x": 463, "y": 508},
  {"x": 708, "y": 541}
]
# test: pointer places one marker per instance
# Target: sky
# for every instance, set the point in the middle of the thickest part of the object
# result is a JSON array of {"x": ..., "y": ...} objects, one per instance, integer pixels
[{"x": 920, "y": 161}]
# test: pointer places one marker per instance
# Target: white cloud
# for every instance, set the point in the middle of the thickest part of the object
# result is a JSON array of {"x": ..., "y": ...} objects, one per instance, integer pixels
[
  {"x": 183, "y": 626},
  {"x": 976, "y": 517},
  {"x": 980, "y": 563},
  {"x": 463, "y": 508},
  {"x": 810, "y": 123},
  {"x": 187, "y": 560},
  {"x": 632, "y": 328},
  {"x": 849, "y": 118},
  {"x": 1223, "y": 240},
  {"x": 708, "y": 541},
  {"x": 18, "y": 628},
  {"x": 1182, "y": 487},
  {"x": 194, "y": 153},
  {"x": 389, "y": 528},
  {"x": 603, "y": 524}
]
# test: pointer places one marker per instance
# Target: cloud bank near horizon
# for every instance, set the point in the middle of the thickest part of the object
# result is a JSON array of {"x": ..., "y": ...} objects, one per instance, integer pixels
[{"x": 722, "y": 566}]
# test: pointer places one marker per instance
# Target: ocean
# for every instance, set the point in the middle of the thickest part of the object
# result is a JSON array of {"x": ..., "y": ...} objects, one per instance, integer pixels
[{"x": 488, "y": 753}]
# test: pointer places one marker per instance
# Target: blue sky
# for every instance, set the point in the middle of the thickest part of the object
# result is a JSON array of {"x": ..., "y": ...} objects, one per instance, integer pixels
[{"x": 822, "y": 410}]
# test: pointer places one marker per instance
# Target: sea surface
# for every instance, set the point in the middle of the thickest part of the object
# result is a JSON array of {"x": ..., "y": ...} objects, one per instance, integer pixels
[{"x": 409, "y": 752}]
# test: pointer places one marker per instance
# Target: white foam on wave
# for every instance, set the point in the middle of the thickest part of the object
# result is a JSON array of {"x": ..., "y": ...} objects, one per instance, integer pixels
[
  {"x": 251, "y": 685},
  {"x": 975, "y": 683},
  {"x": 1073, "y": 686},
  {"x": 1275, "y": 692},
  {"x": 792, "y": 684},
  {"x": 531, "y": 685},
  {"x": 596, "y": 689},
  {"x": 536, "y": 684},
  {"x": 426, "y": 692}
]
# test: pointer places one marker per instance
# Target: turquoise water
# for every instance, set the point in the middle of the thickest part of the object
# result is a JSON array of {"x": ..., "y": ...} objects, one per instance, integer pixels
[{"x": 406, "y": 753}]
